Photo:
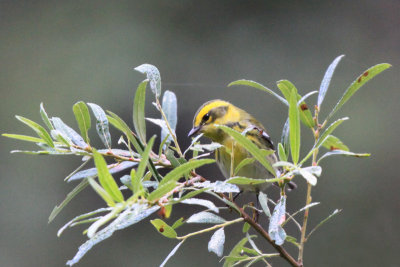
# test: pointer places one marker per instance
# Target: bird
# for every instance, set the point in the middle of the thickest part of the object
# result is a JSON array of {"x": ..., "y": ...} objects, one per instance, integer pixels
[{"x": 219, "y": 112}]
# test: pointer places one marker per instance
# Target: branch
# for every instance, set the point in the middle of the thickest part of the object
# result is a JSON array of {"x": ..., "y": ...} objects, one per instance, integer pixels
[{"x": 283, "y": 253}]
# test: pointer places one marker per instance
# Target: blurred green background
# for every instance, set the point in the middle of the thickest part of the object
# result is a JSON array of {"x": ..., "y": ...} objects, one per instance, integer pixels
[{"x": 61, "y": 52}]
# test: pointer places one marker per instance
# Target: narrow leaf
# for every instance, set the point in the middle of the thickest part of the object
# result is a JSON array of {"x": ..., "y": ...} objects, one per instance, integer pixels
[
  {"x": 236, "y": 252},
  {"x": 245, "y": 181},
  {"x": 275, "y": 229},
  {"x": 281, "y": 152},
  {"x": 145, "y": 158},
  {"x": 132, "y": 215},
  {"x": 243, "y": 163},
  {"x": 138, "y": 111},
  {"x": 262, "y": 198},
  {"x": 153, "y": 75},
  {"x": 178, "y": 223},
  {"x": 68, "y": 133},
  {"x": 360, "y": 81},
  {"x": 327, "y": 80},
  {"x": 40, "y": 131},
  {"x": 294, "y": 130},
  {"x": 57, "y": 209},
  {"x": 163, "y": 228},
  {"x": 285, "y": 137},
  {"x": 334, "y": 143},
  {"x": 172, "y": 253},
  {"x": 118, "y": 123},
  {"x": 205, "y": 217},
  {"x": 92, "y": 172},
  {"x": 45, "y": 117},
  {"x": 202, "y": 202},
  {"x": 105, "y": 178},
  {"x": 183, "y": 169},
  {"x": 323, "y": 221},
  {"x": 25, "y": 138},
  {"x": 101, "y": 192},
  {"x": 219, "y": 187},
  {"x": 308, "y": 176},
  {"x": 161, "y": 190},
  {"x": 328, "y": 131},
  {"x": 169, "y": 107},
  {"x": 82, "y": 116},
  {"x": 287, "y": 88},
  {"x": 260, "y": 87},
  {"x": 343, "y": 153},
  {"x": 101, "y": 124},
  {"x": 256, "y": 152},
  {"x": 217, "y": 241}
]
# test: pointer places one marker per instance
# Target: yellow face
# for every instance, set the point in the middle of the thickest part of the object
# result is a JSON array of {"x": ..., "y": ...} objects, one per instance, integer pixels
[{"x": 212, "y": 113}]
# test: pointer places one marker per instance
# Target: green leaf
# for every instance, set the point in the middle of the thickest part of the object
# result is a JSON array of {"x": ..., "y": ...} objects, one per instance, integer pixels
[
  {"x": 161, "y": 190},
  {"x": 343, "y": 153},
  {"x": 45, "y": 117},
  {"x": 260, "y": 87},
  {"x": 328, "y": 131},
  {"x": 334, "y": 143},
  {"x": 236, "y": 253},
  {"x": 101, "y": 124},
  {"x": 205, "y": 217},
  {"x": 169, "y": 107},
  {"x": 287, "y": 88},
  {"x": 101, "y": 192},
  {"x": 164, "y": 228},
  {"x": 281, "y": 153},
  {"x": 40, "y": 131},
  {"x": 24, "y": 138},
  {"x": 105, "y": 178},
  {"x": 82, "y": 185},
  {"x": 243, "y": 163},
  {"x": 245, "y": 181},
  {"x": 178, "y": 223},
  {"x": 217, "y": 241},
  {"x": 138, "y": 111},
  {"x": 294, "y": 124},
  {"x": 82, "y": 116},
  {"x": 246, "y": 227},
  {"x": 118, "y": 123},
  {"x": 292, "y": 240},
  {"x": 360, "y": 81},
  {"x": 327, "y": 80},
  {"x": 145, "y": 158},
  {"x": 183, "y": 169},
  {"x": 285, "y": 137},
  {"x": 68, "y": 133},
  {"x": 153, "y": 75},
  {"x": 256, "y": 152}
]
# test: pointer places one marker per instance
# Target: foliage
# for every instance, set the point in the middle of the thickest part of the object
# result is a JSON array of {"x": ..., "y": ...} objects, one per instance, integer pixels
[{"x": 146, "y": 190}]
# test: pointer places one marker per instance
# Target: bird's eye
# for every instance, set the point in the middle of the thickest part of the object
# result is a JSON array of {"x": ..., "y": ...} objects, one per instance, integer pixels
[{"x": 206, "y": 117}]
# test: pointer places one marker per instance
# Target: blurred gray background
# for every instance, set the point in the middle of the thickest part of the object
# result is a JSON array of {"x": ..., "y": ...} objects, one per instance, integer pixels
[{"x": 62, "y": 52}]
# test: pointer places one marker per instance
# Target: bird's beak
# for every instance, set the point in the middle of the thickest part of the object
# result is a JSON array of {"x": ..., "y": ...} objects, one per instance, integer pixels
[{"x": 194, "y": 131}]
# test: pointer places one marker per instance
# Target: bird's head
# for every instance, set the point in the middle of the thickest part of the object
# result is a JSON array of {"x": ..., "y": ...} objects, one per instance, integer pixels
[{"x": 213, "y": 113}]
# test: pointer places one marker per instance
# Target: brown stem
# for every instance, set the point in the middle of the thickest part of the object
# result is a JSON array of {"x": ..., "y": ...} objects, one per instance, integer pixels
[{"x": 283, "y": 253}]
